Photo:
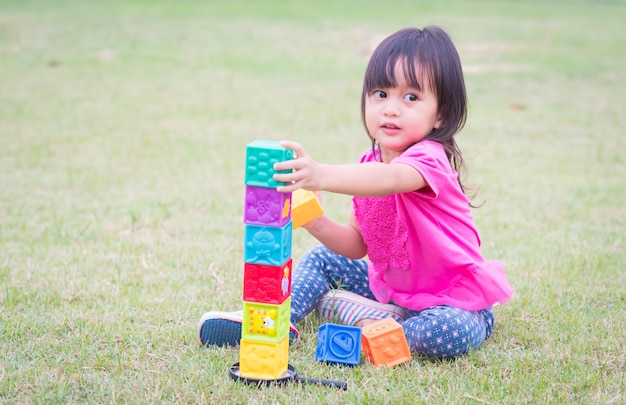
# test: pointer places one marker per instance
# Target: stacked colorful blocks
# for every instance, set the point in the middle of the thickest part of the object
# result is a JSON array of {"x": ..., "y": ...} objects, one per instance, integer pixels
[{"x": 267, "y": 265}]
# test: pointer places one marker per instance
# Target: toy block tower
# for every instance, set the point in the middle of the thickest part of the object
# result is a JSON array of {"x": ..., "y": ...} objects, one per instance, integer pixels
[
  {"x": 267, "y": 265},
  {"x": 384, "y": 343},
  {"x": 338, "y": 344}
]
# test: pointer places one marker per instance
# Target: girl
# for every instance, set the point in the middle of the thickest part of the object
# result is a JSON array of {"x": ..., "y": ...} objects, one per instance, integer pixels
[{"x": 410, "y": 214}]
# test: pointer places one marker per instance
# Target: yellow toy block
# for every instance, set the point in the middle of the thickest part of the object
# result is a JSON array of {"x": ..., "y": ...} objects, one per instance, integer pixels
[
  {"x": 384, "y": 343},
  {"x": 263, "y": 360},
  {"x": 304, "y": 208}
]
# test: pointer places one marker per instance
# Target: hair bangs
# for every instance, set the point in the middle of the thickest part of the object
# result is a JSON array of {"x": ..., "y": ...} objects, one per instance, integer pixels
[{"x": 381, "y": 72}]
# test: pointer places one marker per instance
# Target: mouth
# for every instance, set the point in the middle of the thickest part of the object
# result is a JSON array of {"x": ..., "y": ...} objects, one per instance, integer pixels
[
  {"x": 389, "y": 125},
  {"x": 390, "y": 128}
]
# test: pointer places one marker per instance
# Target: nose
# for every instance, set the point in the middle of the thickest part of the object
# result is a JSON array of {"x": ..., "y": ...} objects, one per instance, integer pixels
[{"x": 391, "y": 108}]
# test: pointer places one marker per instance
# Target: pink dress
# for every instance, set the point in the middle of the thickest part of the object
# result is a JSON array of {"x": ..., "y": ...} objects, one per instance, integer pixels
[{"x": 422, "y": 246}]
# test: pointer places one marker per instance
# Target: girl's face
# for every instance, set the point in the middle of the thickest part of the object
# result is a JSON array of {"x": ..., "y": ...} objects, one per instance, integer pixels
[{"x": 398, "y": 117}]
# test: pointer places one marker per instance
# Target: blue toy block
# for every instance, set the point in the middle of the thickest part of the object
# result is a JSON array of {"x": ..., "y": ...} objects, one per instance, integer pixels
[
  {"x": 260, "y": 158},
  {"x": 338, "y": 344},
  {"x": 267, "y": 244}
]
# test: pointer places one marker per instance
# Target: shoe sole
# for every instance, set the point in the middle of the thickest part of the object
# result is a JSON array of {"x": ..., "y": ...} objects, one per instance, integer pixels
[
  {"x": 224, "y": 329},
  {"x": 219, "y": 329}
]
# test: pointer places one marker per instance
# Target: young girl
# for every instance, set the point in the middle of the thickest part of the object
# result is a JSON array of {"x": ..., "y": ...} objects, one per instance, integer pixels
[{"x": 410, "y": 214}]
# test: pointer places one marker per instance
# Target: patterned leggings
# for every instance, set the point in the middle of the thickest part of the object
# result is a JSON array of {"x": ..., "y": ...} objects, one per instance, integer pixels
[{"x": 441, "y": 331}]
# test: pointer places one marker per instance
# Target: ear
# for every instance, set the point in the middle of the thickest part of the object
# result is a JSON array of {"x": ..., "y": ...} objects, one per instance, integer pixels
[{"x": 438, "y": 123}]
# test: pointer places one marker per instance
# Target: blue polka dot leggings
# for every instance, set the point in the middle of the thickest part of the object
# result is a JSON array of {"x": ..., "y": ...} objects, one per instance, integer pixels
[{"x": 440, "y": 332}]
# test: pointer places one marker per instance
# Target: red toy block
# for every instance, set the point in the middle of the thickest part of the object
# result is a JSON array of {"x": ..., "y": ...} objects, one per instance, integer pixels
[
  {"x": 384, "y": 343},
  {"x": 267, "y": 284}
]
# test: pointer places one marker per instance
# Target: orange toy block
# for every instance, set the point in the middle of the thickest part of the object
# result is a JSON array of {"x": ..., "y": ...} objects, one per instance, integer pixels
[
  {"x": 304, "y": 208},
  {"x": 384, "y": 343}
]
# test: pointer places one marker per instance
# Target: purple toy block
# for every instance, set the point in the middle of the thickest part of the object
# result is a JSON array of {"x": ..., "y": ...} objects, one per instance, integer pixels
[{"x": 266, "y": 206}]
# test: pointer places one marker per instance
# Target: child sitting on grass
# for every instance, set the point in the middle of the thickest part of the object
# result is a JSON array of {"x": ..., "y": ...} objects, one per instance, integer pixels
[{"x": 410, "y": 216}]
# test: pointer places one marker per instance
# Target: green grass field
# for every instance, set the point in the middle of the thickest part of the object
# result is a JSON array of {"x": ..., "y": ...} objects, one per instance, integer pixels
[{"x": 123, "y": 128}]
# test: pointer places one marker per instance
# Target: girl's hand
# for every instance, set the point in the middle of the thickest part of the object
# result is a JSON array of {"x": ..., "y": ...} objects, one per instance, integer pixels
[{"x": 306, "y": 174}]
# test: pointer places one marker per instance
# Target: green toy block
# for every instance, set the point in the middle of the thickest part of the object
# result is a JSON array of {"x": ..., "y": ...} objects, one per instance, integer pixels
[
  {"x": 260, "y": 158},
  {"x": 266, "y": 322}
]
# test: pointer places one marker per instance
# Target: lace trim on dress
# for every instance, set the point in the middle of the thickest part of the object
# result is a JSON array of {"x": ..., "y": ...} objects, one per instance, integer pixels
[{"x": 383, "y": 232}]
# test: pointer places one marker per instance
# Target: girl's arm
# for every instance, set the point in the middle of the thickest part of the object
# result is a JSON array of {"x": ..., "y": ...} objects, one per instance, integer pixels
[
  {"x": 369, "y": 179},
  {"x": 344, "y": 239}
]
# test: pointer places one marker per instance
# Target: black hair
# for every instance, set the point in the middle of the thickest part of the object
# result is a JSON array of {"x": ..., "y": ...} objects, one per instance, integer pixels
[{"x": 431, "y": 50}]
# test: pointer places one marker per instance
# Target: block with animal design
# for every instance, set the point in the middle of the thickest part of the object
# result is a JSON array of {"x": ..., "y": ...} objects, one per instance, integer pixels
[
  {"x": 267, "y": 284},
  {"x": 266, "y": 206},
  {"x": 267, "y": 244},
  {"x": 384, "y": 343},
  {"x": 263, "y": 360},
  {"x": 260, "y": 158},
  {"x": 266, "y": 322}
]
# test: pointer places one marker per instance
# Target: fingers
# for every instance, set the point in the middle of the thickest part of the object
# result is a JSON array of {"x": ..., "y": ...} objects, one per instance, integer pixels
[
  {"x": 287, "y": 188},
  {"x": 292, "y": 181},
  {"x": 318, "y": 196},
  {"x": 294, "y": 146},
  {"x": 291, "y": 178},
  {"x": 300, "y": 169},
  {"x": 296, "y": 163}
]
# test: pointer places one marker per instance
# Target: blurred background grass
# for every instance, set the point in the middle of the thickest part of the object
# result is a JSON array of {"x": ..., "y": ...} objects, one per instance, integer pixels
[{"x": 122, "y": 132}]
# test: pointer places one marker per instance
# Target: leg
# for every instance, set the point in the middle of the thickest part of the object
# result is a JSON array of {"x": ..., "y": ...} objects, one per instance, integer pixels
[
  {"x": 319, "y": 270},
  {"x": 447, "y": 332},
  {"x": 351, "y": 300},
  {"x": 352, "y": 309}
]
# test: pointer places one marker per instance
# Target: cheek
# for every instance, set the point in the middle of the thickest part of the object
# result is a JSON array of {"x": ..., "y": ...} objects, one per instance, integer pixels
[
  {"x": 372, "y": 125},
  {"x": 370, "y": 118}
]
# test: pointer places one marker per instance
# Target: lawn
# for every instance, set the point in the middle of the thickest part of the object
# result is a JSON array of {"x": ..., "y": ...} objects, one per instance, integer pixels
[{"x": 123, "y": 127}]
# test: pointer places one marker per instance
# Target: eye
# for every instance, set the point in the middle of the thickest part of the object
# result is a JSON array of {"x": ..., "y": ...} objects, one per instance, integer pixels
[
  {"x": 410, "y": 97},
  {"x": 379, "y": 94}
]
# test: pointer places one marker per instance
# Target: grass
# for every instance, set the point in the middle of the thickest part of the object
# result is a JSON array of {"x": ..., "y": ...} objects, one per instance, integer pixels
[{"x": 123, "y": 126}]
